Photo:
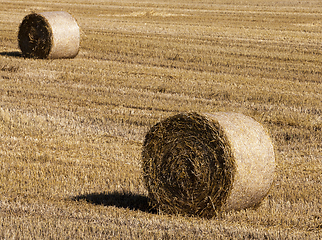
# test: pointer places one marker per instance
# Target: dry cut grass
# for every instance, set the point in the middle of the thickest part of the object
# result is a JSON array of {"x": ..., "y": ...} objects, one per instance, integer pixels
[{"x": 71, "y": 131}]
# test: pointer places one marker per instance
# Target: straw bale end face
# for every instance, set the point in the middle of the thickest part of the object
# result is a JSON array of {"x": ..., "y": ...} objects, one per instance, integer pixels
[
  {"x": 49, "y": 35},
  {"x": 202, "y": 164}
]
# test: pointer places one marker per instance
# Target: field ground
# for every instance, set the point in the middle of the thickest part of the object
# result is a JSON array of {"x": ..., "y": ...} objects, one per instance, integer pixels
[{"x": 71, "y": 130}]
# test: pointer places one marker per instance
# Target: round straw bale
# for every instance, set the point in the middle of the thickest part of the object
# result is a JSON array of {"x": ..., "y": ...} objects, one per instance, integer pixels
[
  {"x": 203, "y": 164},
  {"x": 49, "y": 35}
]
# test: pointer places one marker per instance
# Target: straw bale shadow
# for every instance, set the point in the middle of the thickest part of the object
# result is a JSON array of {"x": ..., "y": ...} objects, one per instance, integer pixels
[
  {"x": 11, "y": 54},
  {"x": 118, "y": 199}
]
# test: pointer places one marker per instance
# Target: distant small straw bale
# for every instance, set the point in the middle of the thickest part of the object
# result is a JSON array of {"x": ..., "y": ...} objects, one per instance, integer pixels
[
  {"x": 49, "y": 35},
  {"x": 203, "y": 164}
]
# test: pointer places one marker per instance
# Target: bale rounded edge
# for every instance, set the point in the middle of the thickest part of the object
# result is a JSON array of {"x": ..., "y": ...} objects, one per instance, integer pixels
[
  {"x": 49, "y": 35},
  {"x": 254, "y": 159},
  {"x": 200, "y": 165}
]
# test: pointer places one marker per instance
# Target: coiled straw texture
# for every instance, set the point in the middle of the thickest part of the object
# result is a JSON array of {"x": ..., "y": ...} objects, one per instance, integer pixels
[
  {"x": 49, "y": 35},
  {"x": 199, "y": 165}
]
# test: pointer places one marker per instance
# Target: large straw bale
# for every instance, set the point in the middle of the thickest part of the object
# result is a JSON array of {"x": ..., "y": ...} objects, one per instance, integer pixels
[
  {"x": 49, "y": 35},
  {"x": 203, "y": 164}
]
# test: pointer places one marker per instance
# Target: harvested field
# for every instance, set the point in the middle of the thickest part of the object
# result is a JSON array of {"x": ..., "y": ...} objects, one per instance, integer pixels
[{"x": 72, "y": 130}]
